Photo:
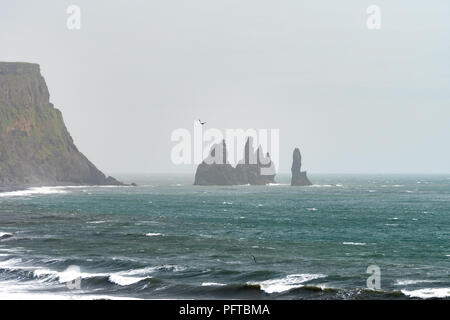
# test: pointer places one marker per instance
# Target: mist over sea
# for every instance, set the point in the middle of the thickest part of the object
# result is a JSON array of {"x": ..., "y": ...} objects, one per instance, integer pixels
[{"x": 169, "y": 239}]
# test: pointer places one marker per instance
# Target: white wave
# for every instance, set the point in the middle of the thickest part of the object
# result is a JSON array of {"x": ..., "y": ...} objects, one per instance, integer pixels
[
  {"x": 72, "y": 274},
  {"x": 98, "y": 186},
  {"x": 229, "y": 203},
  {"x": 311, "y": 209},
  {"x": 10, "y": 263},
  {"x": 44, "y": 275},
  {"x": 31, "y": 290},
  {"x": 392, "y": 185},
  {"x": 149, "y": 270},
  {"x": 212, "y": 284},
  {"x": 277, "y": 184},
  {"x": 120, "y": 278},
  {"x": 291, "y": 281},
  {"x": 154, "y": 234},
  {"x": 171, "y": 267},
  {"x": 44, "y": 272},
  {"x": 48, "y": 296},
  {"x": 428, "y": 293},
  {"x": 123, "y": 280},
  {"x": 355, "y": 243},
  {"x": 321, "y": 186},
  {"x": 50, "y": 190},
  {"x": 4, "y": 235},
  {"x": 409, "y": 282},
  {"x": 97, "y": 222},
  {"x": 34, "y": 191},
  {"x": 15, "y": 250},
  {"x": 135, "y": 272}
]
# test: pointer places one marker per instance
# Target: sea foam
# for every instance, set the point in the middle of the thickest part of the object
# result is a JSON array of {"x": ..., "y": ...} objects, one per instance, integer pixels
[
  {"x": 287, "y": 283},
  {"x": 428, "y": 293},
  {"x": 34, "y": 191},
  {"x": 355, "y": 243}
]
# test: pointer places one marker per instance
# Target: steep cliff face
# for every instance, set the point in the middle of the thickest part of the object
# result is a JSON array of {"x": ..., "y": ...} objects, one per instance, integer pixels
[
  {"x": 35, "y": 146},
  {"x": 299, "y": 178}
]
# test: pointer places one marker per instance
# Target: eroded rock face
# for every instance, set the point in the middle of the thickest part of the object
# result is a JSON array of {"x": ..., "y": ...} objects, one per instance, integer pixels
[
  {"x": 35, "y": 146},
  {"x": 299, "y": 178},
  {"x": 253, "y": 169}
]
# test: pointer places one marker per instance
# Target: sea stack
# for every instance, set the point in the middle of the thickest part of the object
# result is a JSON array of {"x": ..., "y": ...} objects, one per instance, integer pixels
[
  {"x": 215, "y": 170},
  {"x": 299, "y": 178},
  {"x": 254, "y": 169},
  {"x": 35, "y": 147}
]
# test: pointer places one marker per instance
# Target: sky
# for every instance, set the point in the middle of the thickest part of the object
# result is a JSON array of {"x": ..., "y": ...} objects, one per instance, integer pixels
[{"x": 353, "y": 100}]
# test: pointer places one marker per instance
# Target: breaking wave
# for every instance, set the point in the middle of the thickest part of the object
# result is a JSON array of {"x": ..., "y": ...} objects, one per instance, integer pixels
[
  {"x": 355, "y": 243},
  {"x": 428, "y": 293},
  {"x": 34, "y": 191},
  {"x": 287, "y": 283}
]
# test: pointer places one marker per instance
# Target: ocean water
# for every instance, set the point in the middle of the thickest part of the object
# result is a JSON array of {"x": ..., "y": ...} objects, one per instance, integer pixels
[{"x": 169, "y": 239}]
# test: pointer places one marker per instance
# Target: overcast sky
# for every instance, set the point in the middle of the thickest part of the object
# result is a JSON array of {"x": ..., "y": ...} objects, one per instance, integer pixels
[{"x": 354, "y": 100}]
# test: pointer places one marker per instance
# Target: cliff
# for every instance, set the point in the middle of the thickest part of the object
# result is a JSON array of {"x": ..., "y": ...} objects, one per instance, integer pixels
[
  {"x": 35, "y": 146},
  {"x": 254, "y": 169},
  {"x": 299, "y": 178}
]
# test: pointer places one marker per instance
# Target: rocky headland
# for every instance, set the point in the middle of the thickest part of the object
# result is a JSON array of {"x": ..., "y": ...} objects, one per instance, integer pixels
[{"x": 35, "y": 147}]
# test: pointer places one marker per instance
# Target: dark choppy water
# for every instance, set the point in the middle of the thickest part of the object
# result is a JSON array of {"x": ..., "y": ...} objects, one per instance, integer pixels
[{"x": 169, "y": 239}]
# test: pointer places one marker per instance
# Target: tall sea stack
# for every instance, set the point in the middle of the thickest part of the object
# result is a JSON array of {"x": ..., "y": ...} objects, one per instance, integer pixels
[
  {"x": 299, "y": 178},
  {"x": 35, "y": 146}
]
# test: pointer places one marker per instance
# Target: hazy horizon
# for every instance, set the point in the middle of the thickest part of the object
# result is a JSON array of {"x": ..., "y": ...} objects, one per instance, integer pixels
[{"x": 355, "y": 101}]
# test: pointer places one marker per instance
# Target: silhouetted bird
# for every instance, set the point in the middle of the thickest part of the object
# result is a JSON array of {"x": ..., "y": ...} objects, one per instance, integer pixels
[{"x": 202, "y": 123}]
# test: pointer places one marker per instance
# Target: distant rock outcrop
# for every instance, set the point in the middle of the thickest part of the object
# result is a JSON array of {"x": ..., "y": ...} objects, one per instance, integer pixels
[
  {"x": 35, "y": 146},
  {"x": 254, "y": 169},
  {"x": 299, "y": 178}
]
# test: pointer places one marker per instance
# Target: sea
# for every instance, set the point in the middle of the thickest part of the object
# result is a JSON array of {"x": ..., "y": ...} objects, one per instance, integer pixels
[{"x": 345, "y": 237}]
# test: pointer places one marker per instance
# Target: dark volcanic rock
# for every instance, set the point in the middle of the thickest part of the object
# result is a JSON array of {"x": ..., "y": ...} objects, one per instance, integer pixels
[
  {"x": 299, "y": 178},
  {"x": 215, "y": 174},
  {"x": 215, "y": 170},
  {"x": 35, "y": 146},
  {"x": 254, "y": 169}
]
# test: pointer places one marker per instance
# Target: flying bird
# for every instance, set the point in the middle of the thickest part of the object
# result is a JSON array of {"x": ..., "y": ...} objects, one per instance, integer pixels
[
  {"x": 254, "y": 259},
  {"x": 202, "y": 123}
]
